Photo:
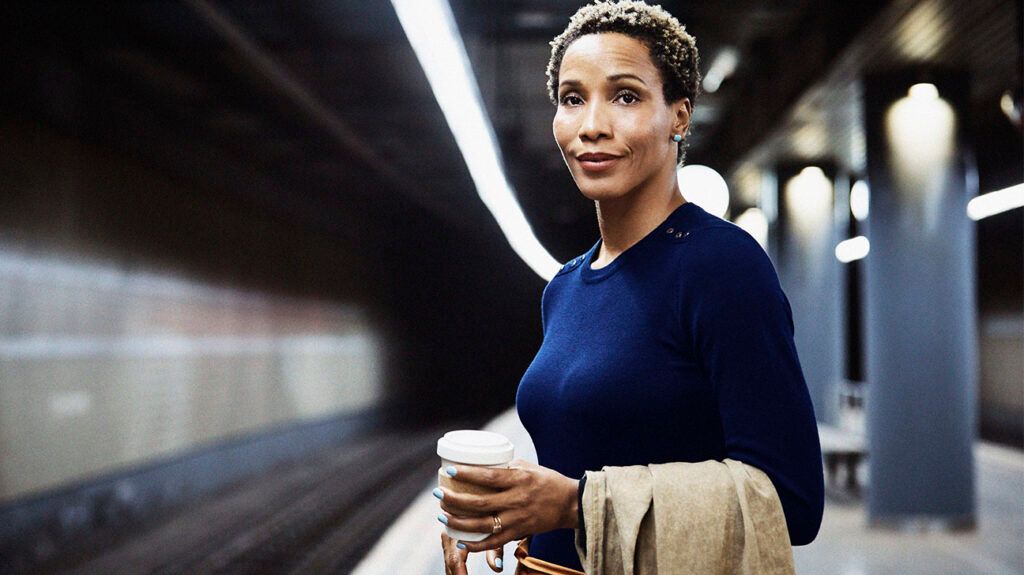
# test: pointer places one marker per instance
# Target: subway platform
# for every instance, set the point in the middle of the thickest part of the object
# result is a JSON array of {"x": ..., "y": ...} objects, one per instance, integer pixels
[
  {"x": 844, "y": 546},
  {"x": 366, "y": 508}
]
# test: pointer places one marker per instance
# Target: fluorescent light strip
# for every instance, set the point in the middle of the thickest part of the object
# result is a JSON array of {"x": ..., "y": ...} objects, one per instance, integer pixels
[
  {"x": 721, "y": 68},
  {"x": 852, "y": 249},
  {"x": 435, "y": 38},
  {"x": 996, "y": 202}
]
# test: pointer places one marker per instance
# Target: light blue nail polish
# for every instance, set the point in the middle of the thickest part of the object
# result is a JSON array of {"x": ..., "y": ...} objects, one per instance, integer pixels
[
  {"x": 450, "y": 470},
  {"x": 438, "y": 493},
  {"x": 461, "y": 545},
  {"x": 497, "y": 561},
  {"x": 442, "y": 519}
]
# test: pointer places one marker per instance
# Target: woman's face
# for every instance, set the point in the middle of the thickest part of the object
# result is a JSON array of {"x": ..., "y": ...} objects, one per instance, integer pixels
[{"x": 610, "y": 102}]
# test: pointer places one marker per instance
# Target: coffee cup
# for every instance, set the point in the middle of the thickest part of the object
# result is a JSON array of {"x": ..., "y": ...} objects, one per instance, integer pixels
[{"x": 476, "y": 448}]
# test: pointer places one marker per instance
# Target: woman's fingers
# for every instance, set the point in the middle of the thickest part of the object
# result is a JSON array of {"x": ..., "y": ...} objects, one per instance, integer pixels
[
  {"x": 494, "y": 477},
  {"x": 512, "y": 525},
  {"x": 454, "y": 558},
  {"x": 495, "y": 558},
  {"x": 495, "y": 541},
  {"x": 470, "y": 504},
  {"x": 469, "y": 524}
]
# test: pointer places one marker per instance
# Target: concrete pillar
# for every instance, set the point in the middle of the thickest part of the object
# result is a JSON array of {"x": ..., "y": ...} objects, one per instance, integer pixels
[
  {"x": 805, "y": 236},
  {"x": 921, "y": 340}
]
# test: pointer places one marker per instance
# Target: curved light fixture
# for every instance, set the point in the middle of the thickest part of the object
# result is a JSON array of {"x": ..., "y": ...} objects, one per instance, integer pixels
[{"x": 435, "y": 39}]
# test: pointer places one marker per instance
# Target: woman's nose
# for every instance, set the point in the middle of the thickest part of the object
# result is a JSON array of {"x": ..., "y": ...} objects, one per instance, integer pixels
[{"x": 594, "y": 123}]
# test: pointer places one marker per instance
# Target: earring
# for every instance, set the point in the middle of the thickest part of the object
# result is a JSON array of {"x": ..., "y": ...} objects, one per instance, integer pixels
[{"x": 677, "y": 138}]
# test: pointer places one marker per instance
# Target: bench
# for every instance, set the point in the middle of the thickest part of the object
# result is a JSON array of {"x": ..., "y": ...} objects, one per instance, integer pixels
[{"x": 842, "y": 446}]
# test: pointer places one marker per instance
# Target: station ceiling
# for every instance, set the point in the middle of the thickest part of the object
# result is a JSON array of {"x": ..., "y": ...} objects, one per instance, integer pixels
[{"x": 320, "y": 111}]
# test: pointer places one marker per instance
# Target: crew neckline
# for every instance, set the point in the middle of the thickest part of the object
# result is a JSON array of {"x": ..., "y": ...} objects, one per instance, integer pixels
[{"x": 666, "y": 229}]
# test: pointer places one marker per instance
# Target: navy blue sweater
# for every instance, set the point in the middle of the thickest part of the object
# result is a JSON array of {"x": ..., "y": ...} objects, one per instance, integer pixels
[{"x": 680, "y": 349}]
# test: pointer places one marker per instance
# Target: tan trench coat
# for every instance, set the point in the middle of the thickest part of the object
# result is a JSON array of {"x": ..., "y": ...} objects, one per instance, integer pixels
[{"x": 706, "y": 518}]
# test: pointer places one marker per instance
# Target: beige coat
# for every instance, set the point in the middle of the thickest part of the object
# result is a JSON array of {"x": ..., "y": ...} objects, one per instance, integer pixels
[{"x": 708, "y": 518}]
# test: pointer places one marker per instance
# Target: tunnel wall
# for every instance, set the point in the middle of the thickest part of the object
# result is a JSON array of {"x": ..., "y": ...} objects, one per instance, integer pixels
[{"x": 141, "y": 319}]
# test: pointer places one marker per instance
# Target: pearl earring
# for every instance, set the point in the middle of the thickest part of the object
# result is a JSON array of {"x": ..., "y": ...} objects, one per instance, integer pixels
[{"x": 677, "y": 138}]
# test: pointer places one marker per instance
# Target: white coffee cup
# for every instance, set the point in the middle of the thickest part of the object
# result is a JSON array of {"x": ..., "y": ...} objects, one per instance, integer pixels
[{"x": 471, "y": 447}]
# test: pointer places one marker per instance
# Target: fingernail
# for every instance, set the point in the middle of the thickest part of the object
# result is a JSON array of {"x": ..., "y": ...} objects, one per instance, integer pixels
[
  {"x": 497, "y": 561},
  {"x": 450, "y": 470},
  {"x": 442, "y": 519},
  {"x": 460, "y": 545},
  {"x": 438, "y": 493}
]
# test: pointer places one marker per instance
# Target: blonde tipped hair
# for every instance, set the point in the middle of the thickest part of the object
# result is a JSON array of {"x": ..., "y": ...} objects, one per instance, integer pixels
[{"x": 672, "y": 49}]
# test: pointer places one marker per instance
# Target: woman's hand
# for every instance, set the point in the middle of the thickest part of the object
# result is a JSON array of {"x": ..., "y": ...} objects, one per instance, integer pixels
[
  {"x": 455, "y": 558},
  {"x": 529, "y": 499}
]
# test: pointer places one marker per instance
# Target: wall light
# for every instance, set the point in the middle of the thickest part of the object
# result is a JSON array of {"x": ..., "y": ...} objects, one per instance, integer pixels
[
  {"x": 721, "y": 68},
  {"x": 808, "y": 197},
  {"x": 859, "y": 200},
  {"x": 996, "y": 202},
  {"x": 755, "y": 223},
  {"x": 852, "y": 249},
  {"x": 921, "y": 129},
  {"x": 1011, "y": 107},
  {"x": 435, "y": 39},
  {"x": 923, "y": 91},
  {"x": 705, "y": 187}
]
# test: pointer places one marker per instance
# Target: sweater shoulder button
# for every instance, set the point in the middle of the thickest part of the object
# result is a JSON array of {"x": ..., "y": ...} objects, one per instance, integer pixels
[
  {"x": 571, "y": 264},
  {"x": 680, "y": 235}
]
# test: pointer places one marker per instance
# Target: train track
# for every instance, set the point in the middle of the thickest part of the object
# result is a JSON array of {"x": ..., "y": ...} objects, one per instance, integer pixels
[{"x": 320, "y": 515}]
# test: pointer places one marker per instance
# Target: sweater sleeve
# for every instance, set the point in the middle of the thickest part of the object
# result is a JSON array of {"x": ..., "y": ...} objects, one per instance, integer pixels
[{"x": 742, "y": 330}]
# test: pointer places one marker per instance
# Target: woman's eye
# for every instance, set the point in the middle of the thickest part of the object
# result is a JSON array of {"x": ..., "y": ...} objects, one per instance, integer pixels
[
  {"x": 628, "y": 95},
  {"x": 571, "y": 99}
]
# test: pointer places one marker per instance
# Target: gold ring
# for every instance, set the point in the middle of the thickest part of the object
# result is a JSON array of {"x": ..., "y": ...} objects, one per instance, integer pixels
[{"x": 497, "y": 524}]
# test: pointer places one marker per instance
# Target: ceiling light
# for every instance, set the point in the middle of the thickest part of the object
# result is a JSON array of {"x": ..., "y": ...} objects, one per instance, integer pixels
[
  {"x": 435, "y": 39},
  {"x": 996, "y": 202},
  {"x": 721, "y": 68},
  {"x": 852, "y": 249}
]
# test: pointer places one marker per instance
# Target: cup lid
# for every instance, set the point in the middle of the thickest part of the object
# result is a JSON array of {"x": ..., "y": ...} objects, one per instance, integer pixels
[{"x": 475, "y": 447}]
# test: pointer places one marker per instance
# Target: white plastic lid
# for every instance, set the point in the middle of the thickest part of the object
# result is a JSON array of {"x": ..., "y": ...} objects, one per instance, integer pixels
[{"x": 475, "y": 447}]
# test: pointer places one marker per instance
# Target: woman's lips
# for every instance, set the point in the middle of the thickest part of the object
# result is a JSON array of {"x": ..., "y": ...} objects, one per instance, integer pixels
[{"x": 598, "y": 166}]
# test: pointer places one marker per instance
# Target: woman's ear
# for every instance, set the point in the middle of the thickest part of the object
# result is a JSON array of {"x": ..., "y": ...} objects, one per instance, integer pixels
[{"x": 683, "y": 109}]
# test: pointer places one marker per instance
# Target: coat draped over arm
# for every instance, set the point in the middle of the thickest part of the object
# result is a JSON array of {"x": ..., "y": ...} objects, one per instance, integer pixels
[{"x": 708, "y": 518}]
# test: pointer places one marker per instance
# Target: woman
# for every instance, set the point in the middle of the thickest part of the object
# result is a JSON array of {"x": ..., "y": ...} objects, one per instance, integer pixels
[{"x": 670, "y": 339}]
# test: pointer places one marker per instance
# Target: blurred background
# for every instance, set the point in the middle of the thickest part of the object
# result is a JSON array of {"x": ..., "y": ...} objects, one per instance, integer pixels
[{"x": 256, "y": 257}]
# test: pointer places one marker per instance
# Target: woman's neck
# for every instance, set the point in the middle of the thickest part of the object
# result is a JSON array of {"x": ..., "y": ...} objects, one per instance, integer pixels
[{"x": 627, "y": 220}]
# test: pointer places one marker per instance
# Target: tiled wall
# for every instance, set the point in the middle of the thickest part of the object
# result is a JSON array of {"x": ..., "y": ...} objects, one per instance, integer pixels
[{"x": 103, "y": 368}]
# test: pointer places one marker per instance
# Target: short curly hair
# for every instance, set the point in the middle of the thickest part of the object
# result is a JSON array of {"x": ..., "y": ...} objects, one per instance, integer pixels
[{"x": 672, "y": 49}]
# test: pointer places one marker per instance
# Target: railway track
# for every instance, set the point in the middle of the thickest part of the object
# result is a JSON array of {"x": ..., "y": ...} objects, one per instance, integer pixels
[{"x": 319, "y": 515}]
